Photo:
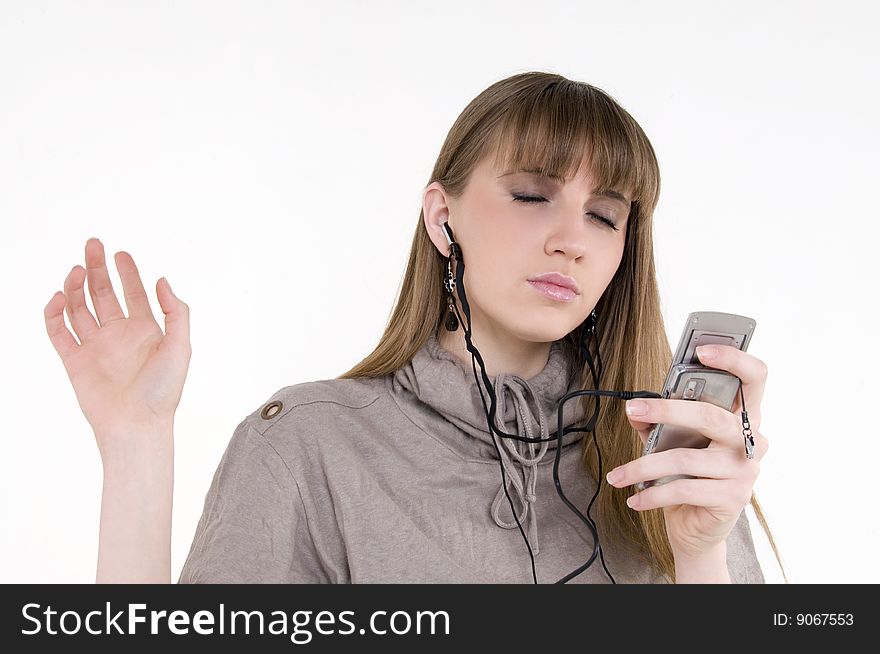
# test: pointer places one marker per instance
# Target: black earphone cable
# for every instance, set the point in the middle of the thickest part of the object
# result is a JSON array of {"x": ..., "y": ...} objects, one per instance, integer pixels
[
  {"x": 476, "y": 357},
  {"x": 490, "y": 412},
  {"x": 588, "y": 331}
]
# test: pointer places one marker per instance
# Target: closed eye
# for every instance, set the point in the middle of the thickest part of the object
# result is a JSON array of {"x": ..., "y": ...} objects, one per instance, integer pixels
[{"x": 538, "y": 198}]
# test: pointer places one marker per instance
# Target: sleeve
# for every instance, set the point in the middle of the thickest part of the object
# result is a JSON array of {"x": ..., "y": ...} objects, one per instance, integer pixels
[
  {"x": 742, "y": 561},
  {"x": 253, "y": 527}
]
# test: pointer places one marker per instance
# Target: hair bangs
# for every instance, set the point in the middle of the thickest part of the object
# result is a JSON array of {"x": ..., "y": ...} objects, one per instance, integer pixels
[{"x": 567, "y": 126}]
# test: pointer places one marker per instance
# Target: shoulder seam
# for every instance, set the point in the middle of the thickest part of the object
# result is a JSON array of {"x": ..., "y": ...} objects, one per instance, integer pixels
[{"x": 277, "y": 420}]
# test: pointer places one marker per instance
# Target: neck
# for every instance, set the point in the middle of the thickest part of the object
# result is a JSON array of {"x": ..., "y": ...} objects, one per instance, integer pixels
[{"x": 502, "y": 354}]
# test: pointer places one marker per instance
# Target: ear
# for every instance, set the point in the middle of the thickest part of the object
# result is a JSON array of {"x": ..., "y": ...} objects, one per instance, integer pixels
[{"x": 436, "y": 210}]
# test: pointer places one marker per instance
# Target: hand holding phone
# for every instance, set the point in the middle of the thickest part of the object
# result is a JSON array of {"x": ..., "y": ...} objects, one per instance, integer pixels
[{"x": 689, "y": 379}]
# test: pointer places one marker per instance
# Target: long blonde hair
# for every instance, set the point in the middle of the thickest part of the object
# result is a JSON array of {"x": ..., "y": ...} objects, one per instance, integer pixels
[{"x": 547, "y": 122}]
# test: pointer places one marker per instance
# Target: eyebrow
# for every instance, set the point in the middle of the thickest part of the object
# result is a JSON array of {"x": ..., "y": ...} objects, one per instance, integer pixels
[{"x": 603, "y": 192}]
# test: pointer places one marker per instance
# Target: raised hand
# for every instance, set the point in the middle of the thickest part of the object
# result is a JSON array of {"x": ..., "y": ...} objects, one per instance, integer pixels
[{"x": 127, "y": 375}]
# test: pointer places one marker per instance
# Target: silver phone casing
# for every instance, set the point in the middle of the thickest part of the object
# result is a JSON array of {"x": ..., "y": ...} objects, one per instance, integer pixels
[{"x": 690, "y": 380}]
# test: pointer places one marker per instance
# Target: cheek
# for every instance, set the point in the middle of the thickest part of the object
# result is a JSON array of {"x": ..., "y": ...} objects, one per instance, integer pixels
[
  {"x": 494, "y": 276},
  {"x": 495, "y": 231},
  {"x": 612, "y": 263},
  {"x": 500, "y": 264},
  {"x": 496, "y": 242},
  {"x": 488, "y": 279}
]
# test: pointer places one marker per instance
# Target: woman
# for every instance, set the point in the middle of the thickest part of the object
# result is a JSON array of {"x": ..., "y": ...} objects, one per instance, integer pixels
[{"x": 389, "y": 473}]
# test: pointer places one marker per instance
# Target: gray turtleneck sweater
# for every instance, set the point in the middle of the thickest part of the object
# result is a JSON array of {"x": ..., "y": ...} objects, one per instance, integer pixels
[{"x": 396, "y": 480}]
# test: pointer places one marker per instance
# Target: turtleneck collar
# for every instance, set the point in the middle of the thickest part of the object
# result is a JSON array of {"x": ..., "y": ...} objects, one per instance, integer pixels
[{"x": 524, "y": 407}]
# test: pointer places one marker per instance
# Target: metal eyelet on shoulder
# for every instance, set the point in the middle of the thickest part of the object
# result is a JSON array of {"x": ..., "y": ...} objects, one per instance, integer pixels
[{"x": 271, "y": 410}]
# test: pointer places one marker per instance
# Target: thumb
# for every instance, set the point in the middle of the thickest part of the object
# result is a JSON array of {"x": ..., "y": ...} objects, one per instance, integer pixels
[{"x": 176, "y": 314}]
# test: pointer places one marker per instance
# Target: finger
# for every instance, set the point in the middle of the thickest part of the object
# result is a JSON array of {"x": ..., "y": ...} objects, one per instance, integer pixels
[
  {"x": 100, "y": 288},
  {"x": 751, "y": 371},
  {"x": 753, "y": 410},
  {"x": 643, "y": 428},
  {"x": 176, "y": 316},
  {"x": 136, "y": 300},
  {"x": 718, "y": 494},
  {"x": 61, "y": 338},
  {"x": 710, "y": 463},
  {"x": 712, "y": 421},
  {"x": 81, "y": 319}
]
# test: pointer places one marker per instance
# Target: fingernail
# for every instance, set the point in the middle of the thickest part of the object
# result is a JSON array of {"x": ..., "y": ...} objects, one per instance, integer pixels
[
  {"x": 707, "y": 352},
  {"x": 614, "y": 476},
  {"x": 632, "y": 501},
  {"x": 636, "y": 408}
]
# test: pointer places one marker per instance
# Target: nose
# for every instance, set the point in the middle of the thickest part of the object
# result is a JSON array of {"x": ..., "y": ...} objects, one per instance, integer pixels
[{"x": 569, "y": 234}]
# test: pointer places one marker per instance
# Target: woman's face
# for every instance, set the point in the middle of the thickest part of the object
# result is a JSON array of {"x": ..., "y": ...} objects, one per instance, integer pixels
[{"x": 507, "y": 240}]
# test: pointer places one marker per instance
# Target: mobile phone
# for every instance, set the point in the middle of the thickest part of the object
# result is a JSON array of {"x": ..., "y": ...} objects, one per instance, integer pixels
[{"x": 689, "y": 379}]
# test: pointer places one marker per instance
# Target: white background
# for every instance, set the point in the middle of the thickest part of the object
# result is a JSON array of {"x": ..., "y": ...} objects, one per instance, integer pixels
[{"x": 269, "y": 159}]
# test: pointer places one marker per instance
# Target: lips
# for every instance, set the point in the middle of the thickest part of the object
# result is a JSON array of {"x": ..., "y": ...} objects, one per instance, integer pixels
[
  {"x": 558, "y": 279},
  {"x": 554, "y": 292}
]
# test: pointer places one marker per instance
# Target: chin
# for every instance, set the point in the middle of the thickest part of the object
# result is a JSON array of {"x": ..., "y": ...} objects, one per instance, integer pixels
[
  {"x": 545, "y": 331},
  {"x": 532, "y": 319}
]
